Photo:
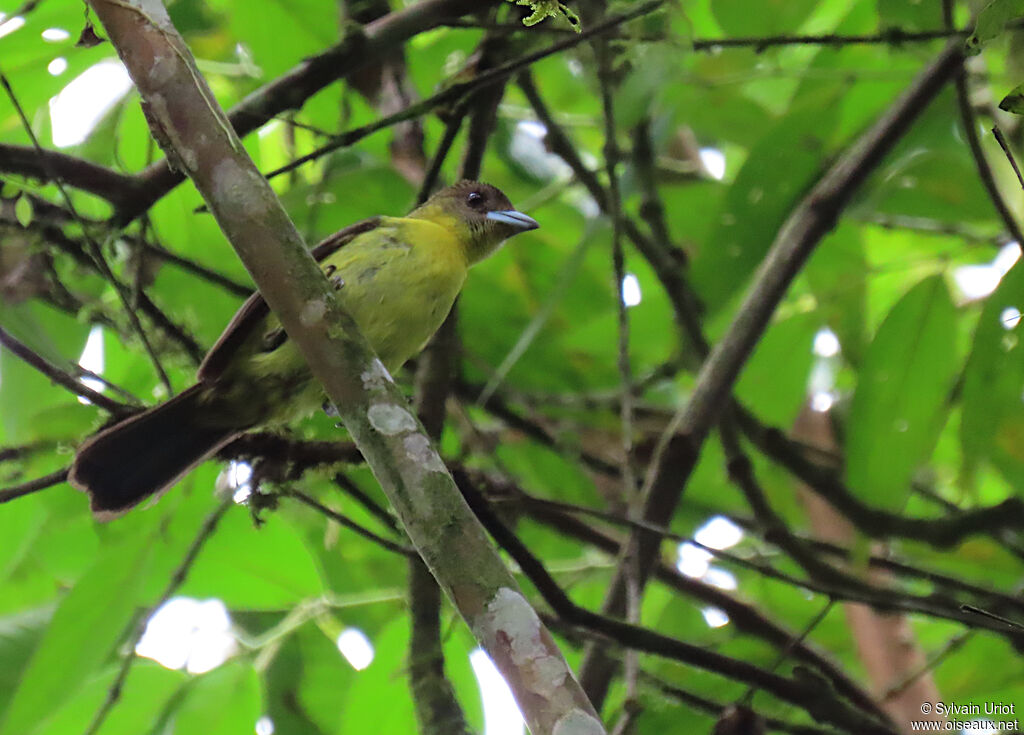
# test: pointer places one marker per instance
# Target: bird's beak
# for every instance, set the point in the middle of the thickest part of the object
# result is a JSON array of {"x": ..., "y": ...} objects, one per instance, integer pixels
[{"x": 514, "y": 218}]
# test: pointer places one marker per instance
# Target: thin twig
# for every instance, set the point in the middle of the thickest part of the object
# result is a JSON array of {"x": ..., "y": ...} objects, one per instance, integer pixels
[
  {"x": 986, "y": 614},
  {"x": 190, "y": 266},
  {"x": 813, "y": 623},
  {"x": 895, "y": 37},
  {"x": 629, "y": 563},
  {"x": 348, "y": 523},
  {"x": 433, "y": 173},
  {"x": 9, "y": 454},
  {"x": 115, "y": 187},
  {"x": 970, "y": 130},
  {"x": 559, "y": 289},
  {"x": 27, "y": 488},
  {"x": 1009, "y": 157},
  {"x": 953, "y": 645},
  {"x": 62, "y": 378},
  {"x": 699, "y": 702},
  {"x": 611, "y": 157},
  {"x": 375, "y": 509}
]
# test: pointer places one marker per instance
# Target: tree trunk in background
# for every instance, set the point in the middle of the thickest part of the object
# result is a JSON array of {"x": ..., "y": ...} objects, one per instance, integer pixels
[{"x": 886, "y": 644}]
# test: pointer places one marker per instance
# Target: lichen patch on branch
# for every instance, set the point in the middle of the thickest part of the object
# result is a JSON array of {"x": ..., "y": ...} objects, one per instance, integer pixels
[
  {"x": 313, "y": 312},
  {"x": 376, "y": 376},
  {"x": 389, "y": 419},
  {"x": 511, "y": 622},
  {"x": 154, "y": 11},
  {"x": 422, "y": 452},
  {"x": 161, "y": 70},
  {"x": 230, "y": 188},
  {"x": 577, "y": 722}
]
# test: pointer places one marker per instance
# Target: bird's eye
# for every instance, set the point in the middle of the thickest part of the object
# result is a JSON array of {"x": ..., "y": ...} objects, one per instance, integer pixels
[{"x": 475, "y": 199}]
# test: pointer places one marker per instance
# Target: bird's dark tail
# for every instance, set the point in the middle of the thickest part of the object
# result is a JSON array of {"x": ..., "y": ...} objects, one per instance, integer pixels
[{"x": 143, "y": 455}]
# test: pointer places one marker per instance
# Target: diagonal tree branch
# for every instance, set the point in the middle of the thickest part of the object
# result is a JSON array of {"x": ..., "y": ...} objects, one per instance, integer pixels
[
  {"x": 812, "y": 219},
  {"x": 115, "y": 187},
  {"x": 62, "y": 378},
  {"x": 14, "y": 492}
]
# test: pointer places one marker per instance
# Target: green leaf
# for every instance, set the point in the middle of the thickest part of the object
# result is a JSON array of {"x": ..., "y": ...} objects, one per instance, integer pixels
[
  {"x": 930, "y": 174},
  {"x": 774, "y": 381},
  {"x": 19, "y": 636},
  {"x": 23, "y": 210},
  {"x": 902, "y": 394},
  {"x": 146, "y": 691},
  {"x": 225, "y": 701},
  {"x": 379, "y": 699},
  {"x": 283, "y": 32},
  {"x": 837, "y": 274},
  {"x": 283, "y": 687},
  {"x": 780, "y": 168},
  {"x": 269, "y": 567},
  {"x": 326, "y": 678},
  {"x": 51, "y": 334},
  {"x": 645, "y": 85},
  {"x": 992, "y": 427},
  {"x": 771, "y": 17},
  {"x": 85, "y": 628},
  {"x": 909, "y": 16},
  {"x": 1014, "y": 101},
  {"x": 20, "y": 525},
  {"x": 543, "y": 9},
  {"x": 991, "y": 21}
]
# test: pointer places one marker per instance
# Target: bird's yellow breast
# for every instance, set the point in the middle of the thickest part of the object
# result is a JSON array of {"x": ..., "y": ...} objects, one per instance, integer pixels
[{"x": 398, "y": 281}]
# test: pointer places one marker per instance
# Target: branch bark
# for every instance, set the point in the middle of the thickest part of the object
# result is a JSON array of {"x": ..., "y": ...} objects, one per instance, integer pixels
[
  {"x": 886, "y": 643},
  {"x": 115, "y": 187}
]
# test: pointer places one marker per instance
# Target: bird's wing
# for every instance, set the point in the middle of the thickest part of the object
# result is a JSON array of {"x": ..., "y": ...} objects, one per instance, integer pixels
[{"x": 253, "y": 311}]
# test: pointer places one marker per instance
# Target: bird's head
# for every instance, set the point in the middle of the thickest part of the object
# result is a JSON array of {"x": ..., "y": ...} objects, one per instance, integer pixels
[{"x": 481, "y": 214}]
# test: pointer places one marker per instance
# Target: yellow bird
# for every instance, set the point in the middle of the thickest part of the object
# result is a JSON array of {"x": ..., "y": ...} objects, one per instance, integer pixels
[{"x": 397, "y": 276}]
